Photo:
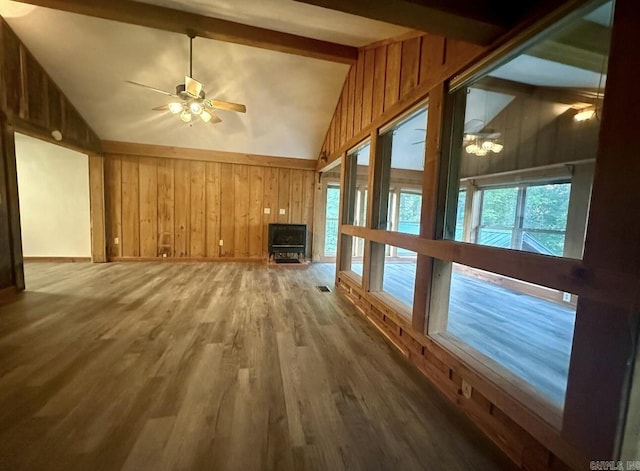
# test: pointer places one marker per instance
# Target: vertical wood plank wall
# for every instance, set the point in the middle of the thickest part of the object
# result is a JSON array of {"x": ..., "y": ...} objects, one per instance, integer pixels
[
  {"x": 388, "y": 78},
  {"x": 159, "y": 207}
]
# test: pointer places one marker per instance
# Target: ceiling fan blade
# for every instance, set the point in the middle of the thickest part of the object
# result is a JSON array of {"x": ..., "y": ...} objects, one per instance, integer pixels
[
  {"x": 192, "y": 87},
  {"x": 226, "y": 105},
  {"x": 151, "y": 88},
  {"x": 161, "y": 108},
  {"x": 214, "y": 118}
]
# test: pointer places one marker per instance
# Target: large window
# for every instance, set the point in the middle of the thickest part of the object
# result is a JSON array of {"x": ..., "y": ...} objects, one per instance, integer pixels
[
  {"x": 402, "y": 165},
  {"x": 525, "y": 137}
]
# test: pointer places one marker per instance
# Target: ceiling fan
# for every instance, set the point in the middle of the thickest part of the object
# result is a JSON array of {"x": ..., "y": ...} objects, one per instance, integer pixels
[{"x": 191, "y": 98}]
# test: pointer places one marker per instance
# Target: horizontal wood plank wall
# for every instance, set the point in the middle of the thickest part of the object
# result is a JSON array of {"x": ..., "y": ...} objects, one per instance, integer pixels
[
  {"x": 388, "y": 78},
  {"x": 34, "y": 103},
  {"x": 174, "y": 208}
]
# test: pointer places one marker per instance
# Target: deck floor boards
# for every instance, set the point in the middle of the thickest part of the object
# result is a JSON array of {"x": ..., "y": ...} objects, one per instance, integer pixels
[
  {"x": 212, "y": 366},
  {"x": 529, "y": 336}
]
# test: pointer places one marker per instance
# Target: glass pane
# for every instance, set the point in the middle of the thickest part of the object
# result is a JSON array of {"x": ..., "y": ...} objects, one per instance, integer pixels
[
  {"x": 499, "y": 207},
  {"x": 356, "y": 191},
  {"x": 495, "y": 237},
  {"x": 357, "y": 251},
  {"x": 548, "y": 243},
  {"x": 531, "y": 128},
  {"x": 462, "y": 200},
  {"x": 409, "y": 213},
  {"x": 331, "y": 225},
  {"x": 546, "y": 207},
  {"x": 403, "y": 158},
  {"x": 527, "y": 329},
  {"x": 399, "y": 275}
]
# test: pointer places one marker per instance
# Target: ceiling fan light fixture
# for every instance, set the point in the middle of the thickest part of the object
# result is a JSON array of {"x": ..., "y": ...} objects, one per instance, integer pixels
[
  {"x": 585, "y": 115},
  {"x": 196, "y": 108},
  {"x": 185, "y": 116},
  {"x": 205, "y": 116},
  {"x": 496, "y": 148},
  {"x": 175, "y": 107},
  {"x": 472, "y": 148}
]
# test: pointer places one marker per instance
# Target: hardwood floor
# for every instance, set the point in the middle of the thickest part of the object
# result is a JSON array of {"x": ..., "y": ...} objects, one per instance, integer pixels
[{"x": 196, "y": 366}]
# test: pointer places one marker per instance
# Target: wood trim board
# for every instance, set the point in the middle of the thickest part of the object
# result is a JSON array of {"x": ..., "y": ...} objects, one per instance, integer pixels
[{"x": 185, "y": 153}]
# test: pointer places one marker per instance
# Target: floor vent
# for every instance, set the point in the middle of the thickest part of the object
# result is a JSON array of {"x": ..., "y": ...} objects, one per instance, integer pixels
[{"x": 324, "y": 289}]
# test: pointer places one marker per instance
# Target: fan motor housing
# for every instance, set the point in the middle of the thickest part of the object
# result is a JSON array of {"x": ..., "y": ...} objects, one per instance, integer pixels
[{"x": 182, "y": 92}]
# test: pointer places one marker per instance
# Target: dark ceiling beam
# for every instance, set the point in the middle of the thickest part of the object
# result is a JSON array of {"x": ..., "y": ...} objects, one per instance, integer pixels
[
  {"x": 176, "y": 21},
  {"x": 475, "y": 21}
]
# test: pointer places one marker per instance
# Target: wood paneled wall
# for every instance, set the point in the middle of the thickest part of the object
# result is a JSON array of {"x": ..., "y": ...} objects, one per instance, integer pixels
[
  {"x": 33, "y": 102},
  {"x": 182, "y": 208},
  {"x": 387, "y": 78}
]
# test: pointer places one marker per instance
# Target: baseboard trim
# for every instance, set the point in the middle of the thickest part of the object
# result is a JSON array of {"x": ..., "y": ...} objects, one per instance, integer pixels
[
  {"x": 189, "y": 259},
  {"x": 57, "y": 259}
]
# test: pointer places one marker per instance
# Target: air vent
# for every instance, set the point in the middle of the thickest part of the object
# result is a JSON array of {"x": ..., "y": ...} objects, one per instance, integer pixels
[{"x": 323, "y": 288}]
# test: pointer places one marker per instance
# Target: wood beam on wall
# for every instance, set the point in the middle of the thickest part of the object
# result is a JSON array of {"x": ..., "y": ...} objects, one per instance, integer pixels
[
  {"x": 185, "y": 153},
  {"x": 168, "y": 19},
  {"x": 96, "y": 195},
  {"x": 12, "y": 203}
]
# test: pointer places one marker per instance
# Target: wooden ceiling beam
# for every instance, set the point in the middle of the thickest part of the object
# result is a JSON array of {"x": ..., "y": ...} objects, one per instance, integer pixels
[
  {"x": 176, "y": 21},
  {"x": 474, "y": 21}
]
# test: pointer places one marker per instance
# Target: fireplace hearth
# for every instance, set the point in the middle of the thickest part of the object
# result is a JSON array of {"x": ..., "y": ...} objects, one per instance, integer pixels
[{"x": 287, "y": 242}]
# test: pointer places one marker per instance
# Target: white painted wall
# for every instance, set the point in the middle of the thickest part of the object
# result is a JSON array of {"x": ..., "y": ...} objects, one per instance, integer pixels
[{"x": 53, "y": 186}]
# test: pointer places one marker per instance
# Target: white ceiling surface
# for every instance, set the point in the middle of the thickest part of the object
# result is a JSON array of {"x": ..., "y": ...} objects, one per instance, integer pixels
[
  {"x": 290, "y": 99},
  {"x": 291, "y": 17}
]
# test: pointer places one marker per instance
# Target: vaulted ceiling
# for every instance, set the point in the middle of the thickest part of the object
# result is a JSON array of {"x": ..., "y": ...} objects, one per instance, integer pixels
[{"x": 287, "y": 64}]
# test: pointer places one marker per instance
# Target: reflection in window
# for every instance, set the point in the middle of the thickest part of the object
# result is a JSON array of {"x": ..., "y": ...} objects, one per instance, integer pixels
[
  {"x": 524, "y": 121},
  {"x": 520, "y": 178},
  {"x": 462, "y": 201},
  {"x": 398, "y": 275},
  {"x": 402, "y": 157},
  {"x": 331, "y": 224},
  {"x": 356, "y": 191},
  {"x": 526, "y": 328},
  {"x": 357, "y": 252},
  {"x": 530, "y": 218}
]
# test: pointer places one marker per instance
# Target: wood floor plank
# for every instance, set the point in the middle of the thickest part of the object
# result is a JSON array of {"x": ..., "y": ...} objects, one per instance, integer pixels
[{"x": 198, "y": 366}]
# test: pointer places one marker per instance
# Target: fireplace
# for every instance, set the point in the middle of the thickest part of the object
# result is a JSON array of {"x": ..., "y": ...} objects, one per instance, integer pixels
[{"x": 287, "y": 242}]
